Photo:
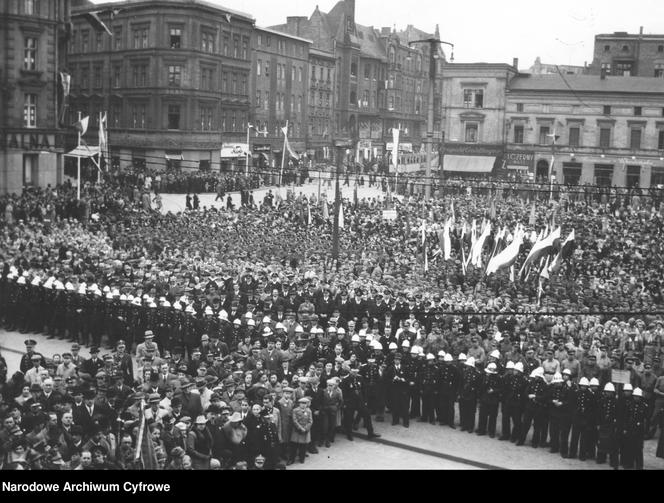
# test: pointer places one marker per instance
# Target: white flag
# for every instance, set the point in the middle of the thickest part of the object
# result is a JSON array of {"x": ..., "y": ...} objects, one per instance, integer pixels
[
  {"x": 341, "y": 216},
  {"x": 82, "y": 125},
  {"x": 103, "y": 137}
]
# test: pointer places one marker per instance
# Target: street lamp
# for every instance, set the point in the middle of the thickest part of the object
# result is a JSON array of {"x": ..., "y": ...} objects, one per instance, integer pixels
[{"x": 433, "y": 46}]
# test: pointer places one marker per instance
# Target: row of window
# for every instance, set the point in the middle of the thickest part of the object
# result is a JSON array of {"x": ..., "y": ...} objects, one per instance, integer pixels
[
  {"x": 139, "y": 76},
  {"x": 321, "y": 73},
  {"x": 574, "y": 136},
  {"x": 274, "y": 129},
  {"x": 319, "y": 126},
  {"x": 263, "y": 102},
  {"x": 233, "y": 45},
  {"x": 625, "y": 48},
  {"x": 283, "y": 47},
  {"x": 606, "y": 110},
  {"x": 297, "y": 72},
  {"x": 603, "y": 174},
  {"x": 324, "y": 98},
  {"x": 626, "y": 69}
]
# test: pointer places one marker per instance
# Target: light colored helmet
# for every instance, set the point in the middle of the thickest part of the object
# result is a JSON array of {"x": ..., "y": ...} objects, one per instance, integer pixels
[
  {"x": 594, "y": 382},
  {"x": 510, "y": 365},
  {"x": 628, "y": 387},
  {"x": 405, "y": 343},
  {"x": 470, "y": 362},
  {"x": 610, "y": 387},
  {"x": 430, "y": 357},
  {"x": 462, "y": 357},
  {"x": 495, "y": 354},
  {"x": 638, "y": 392},
  {"x": 393, "y": 346},
  {"x": 557, "y": 378},
  {"x": 442, "y": 353},
  {"x": 355, "y": 338},
  {"x": 448, "y": 358},
  {"x": 518, "y": 366},
  {"x": 584, "y": 382}
]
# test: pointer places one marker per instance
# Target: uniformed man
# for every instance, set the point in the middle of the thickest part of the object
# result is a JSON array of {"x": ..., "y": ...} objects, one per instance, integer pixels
[
  {"x": 489, "y": 398},
  {"x": 607, "y": 424},
  {"x": 354, "y": 397},
  {"x": 471, "y": 381},
  {"x": 516, "y": 400},
  {"x": 634, "y": 429},
  {"x": 506, "y": 386},
  {"x": 428, "y": 384},
  {"x": 534, "y": 408},
  {"x": 396, "y": 379},
  {"x": 581, "y": 421},
  {"x": 26, "y": 360}
]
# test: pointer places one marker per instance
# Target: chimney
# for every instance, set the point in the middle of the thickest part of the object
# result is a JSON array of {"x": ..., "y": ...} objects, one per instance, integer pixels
[
  {"x": 641, "y": 30},
  {"x": 515, "y": 63}
]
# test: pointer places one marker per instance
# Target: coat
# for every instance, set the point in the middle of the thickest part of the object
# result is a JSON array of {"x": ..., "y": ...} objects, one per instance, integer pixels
[
  {"x": 286, "y": 419},
  {"x": 302, "y": 421}
]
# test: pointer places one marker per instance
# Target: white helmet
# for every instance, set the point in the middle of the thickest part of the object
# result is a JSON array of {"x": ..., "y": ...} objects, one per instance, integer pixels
[
  {"x": 393, "y": 346},
  {"x": 518, "y": 366},
  {"x": 584, "y": 382},
  {"x": 405, "y": 343},
  {"x": 557, "y": 378},
  {"x": 610, "y": 387},
  {"x": 495, "y": 354},
  {"x": 470, "y": 362},
  {"x": 638, "y": 392},
  {"x": 628, "y": 387},
  {"x": 430, "y": 357},
  {"x": 594, "y": 382},
  {"x": 448, "y": 357},
  {"x": 462, "y": 357},
  {"x": 510, "y": 365}
]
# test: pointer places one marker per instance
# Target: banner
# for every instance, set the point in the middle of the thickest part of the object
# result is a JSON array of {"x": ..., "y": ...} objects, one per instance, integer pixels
[{"x": 395, "y": 147}]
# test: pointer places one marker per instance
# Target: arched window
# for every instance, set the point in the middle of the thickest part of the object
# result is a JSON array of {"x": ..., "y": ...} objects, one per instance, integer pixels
[{"x": 393, "y": 56}]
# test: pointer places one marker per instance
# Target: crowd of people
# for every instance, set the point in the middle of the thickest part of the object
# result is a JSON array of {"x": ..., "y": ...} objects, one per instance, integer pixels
[{"x": 250, "y": 345}]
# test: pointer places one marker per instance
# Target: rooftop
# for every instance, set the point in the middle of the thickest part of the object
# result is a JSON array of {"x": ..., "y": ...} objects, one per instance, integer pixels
[{"x": 588, "y": 84}]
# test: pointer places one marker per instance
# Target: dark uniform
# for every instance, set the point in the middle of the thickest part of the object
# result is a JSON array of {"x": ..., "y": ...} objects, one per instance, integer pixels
[
  {"x": 607, "y": 430},
  {"x": 396, "y": 378},
  {"x": 428, "y": 384},
  {"x": 470, "y": 388},
  {"x": 534, "y": 412},
  {"x": 582, "y": 417},
  {"x": 355, "y": 401},
  {"x": 448, "y": 387},
  {"x": 515, "y": 402},
  {"x": 489, "y": 399},
  {"x": 634, "y": 430},
  {"x": 559, "y": 416}
]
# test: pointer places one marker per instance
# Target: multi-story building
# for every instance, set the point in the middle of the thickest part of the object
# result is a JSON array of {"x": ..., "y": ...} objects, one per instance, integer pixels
[
  {"x": 624, "y": 54},
  {"x": 174, "y": 78},
  {"x": 474, "y": 101},
  {"x": 280, "y": 85},
  {"x": 322, "y": 72},
  {"x": 372, "y": 94},
  {"x": 33, "y": 48},
  {"x": 609, "y": 130}
]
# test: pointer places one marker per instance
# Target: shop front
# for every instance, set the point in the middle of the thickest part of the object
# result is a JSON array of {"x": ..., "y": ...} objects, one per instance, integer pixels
[
  {"x": 467, "y": 160},
  {"x": 234, "y": 157}
]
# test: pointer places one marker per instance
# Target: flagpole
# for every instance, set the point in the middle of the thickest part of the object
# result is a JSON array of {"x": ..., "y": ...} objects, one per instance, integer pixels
[
  {"x": 283, "y": 157},
  {"x": 101, "y": 154},
  {"x": 248, "y": 150},
  {"x": 78, "y": 188}
]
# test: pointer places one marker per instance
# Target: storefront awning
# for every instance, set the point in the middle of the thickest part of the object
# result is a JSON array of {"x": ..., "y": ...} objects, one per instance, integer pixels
[
  {"x": 517, "y": 168},
  {"x": 469, "y": 164},
  {"x": 234, "y": 151}
]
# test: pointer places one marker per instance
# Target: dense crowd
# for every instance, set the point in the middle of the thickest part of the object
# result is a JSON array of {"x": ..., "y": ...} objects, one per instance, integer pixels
[{"x": 250, "y": 345}]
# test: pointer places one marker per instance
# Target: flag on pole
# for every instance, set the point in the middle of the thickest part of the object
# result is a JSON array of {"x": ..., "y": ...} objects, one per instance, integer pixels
[
  {"x": 286, "y": 142},
  {"x": 145, "y": 452},
  {"x": 492, "y": 210},
  {"x": 82, "y": 125},
  {"x": 508, "y": 256},
  {"x": 308, "y": 215},
  {"x": 540, "y": 249},
  {"x": 565, "y": 252},
  {"x": 326, "y": 212},
  {"x": 103, "y": 136},
  {"x": 96, "y": 22},
  {"x": 426, "y": 261},
  {"x": 447, "y": 242},
  {"x": 341, "y": 216},
  {"x": 452, "y": 211},
  {"x": 355, "y": 199},
  {"x": 476, "y": 252}
]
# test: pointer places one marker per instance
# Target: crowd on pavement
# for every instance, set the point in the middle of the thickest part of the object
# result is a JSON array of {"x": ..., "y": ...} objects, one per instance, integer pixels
[{"x": 239, "y": 341}]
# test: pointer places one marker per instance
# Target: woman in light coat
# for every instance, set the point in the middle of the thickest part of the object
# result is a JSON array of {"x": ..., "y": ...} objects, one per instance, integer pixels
[{"x": 301, "y": 435}]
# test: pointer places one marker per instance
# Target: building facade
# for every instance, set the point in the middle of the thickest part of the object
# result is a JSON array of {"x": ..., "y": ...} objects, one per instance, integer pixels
[
  {"x": 280, "y": 88},
  {"x": 33, "y": 47},
  {"x": 174, "y": 78},
  {"x": 539, "y": 68},
  {"x": 372, "y": 95},
  {"x": 623, "y": 54},
  {"x": 610, "y": 131},
  {"x": 474, "y": 108},
  {"x": 322, "y": 82}
]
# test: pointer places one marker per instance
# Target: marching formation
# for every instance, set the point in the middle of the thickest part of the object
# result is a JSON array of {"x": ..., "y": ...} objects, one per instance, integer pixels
[{"x": 237, "y": 341}]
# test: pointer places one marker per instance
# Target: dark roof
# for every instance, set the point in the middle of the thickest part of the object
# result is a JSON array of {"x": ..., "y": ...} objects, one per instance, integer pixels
[
  {"x": 588, "y": 83},
  {"x": 370, "y": 43}
]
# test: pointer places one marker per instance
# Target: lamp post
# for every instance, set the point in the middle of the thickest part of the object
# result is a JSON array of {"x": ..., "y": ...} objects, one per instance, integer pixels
[{"x": 433, "y": 46}]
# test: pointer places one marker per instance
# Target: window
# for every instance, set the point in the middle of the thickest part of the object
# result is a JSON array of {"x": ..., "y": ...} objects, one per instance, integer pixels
[
  {"x": 117, "y": 38},
  {"x": 299, "y": 74},
  {"x": 206, "y": 79},
  {"x": 259, "y": 102},
  {"x": 657, "y": 177},
  {"x": 30, "y": 54},
  {"x": 268, "y": 41},
  {"x": 29, "y": 7},
  {"x": 30, "y": 169},
  {"x": 115, "y": 115},
  {"x": 206, "y": 118},
  {"x": 138, "y": 116},
  {"x": 605, "y": 137},
  {"x": 175, "y": 76},
  {"x": 227, "y": 43},
  {"x": 85, "y": 82},
  {"x": 623, "y": 69},
  {"x": 635, "y": 138},
  {"x": 267, "y": 100},
  {"x": 519, "y": 107},
  {"x": 544, "y": 138},
  {"x": 175, "y": 38},
  {"x": 607, "y": 110},
  {"x": 367, "y": 72},
  {"x": 472, "y": 132},
  {"x": 638, "y": 111},
  {"x": 207, "y": 42},
  {"x": 173, "y": 116},
  {"x": 259, "y": 66},
  {"x": 293, "y": 74},
  {"x": 117, "y": 72},
  {"x": 85, "y": 40},
  {"x": 267, "y": 68},
  {"x": 518, "y": 134},
  {"x": 625, "y": 48},
  {"x": 74, "y": 41},
  {"x": 329, "y": 73},
  {"x": 607, "y": 48},
  {"x": 235, "y": 89},
  {"x": 606, "y": 68},
  {"x": 633, "y": 176},
  {"x": 659, "y": 70},
  {"x": 574, "y": 136},
  {"x": 353, "y": 98},
  {"x": 604, "y": 175},
  {"x": 97, "y": 73},
  {"x": 660, "y": 140},
  {"x": 245, "y": 88},
  {"x": 236, "y": 46},
  {"x": 141, "y": 38},
  {"x": 473, "y": 98},
  {"x": 365, "y": 99},
  {"x": 140, "y": 75},
  {"x": 353, "y": 69},
  {"x": 660, "y": 48},
  {"x": 99, "y": 45},
  {"x": 259, "y": 40},
  {"x": 245, "y": 48},
  {"x": 30, "y": 110}
]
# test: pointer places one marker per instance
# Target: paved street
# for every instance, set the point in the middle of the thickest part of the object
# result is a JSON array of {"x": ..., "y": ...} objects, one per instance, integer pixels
[
  {"x": 176, "y": 202},
  {"x": 422, "y": 446}
]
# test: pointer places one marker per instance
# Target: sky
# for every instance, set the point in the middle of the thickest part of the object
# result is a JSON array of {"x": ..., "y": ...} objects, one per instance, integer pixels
[{"x": 492, "y": 31}]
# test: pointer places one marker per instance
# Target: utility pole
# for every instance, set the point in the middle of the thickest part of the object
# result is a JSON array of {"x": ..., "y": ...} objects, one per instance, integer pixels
[
  {"x": 433, "y": 47},
  {"x": 340, "y": 147}
]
